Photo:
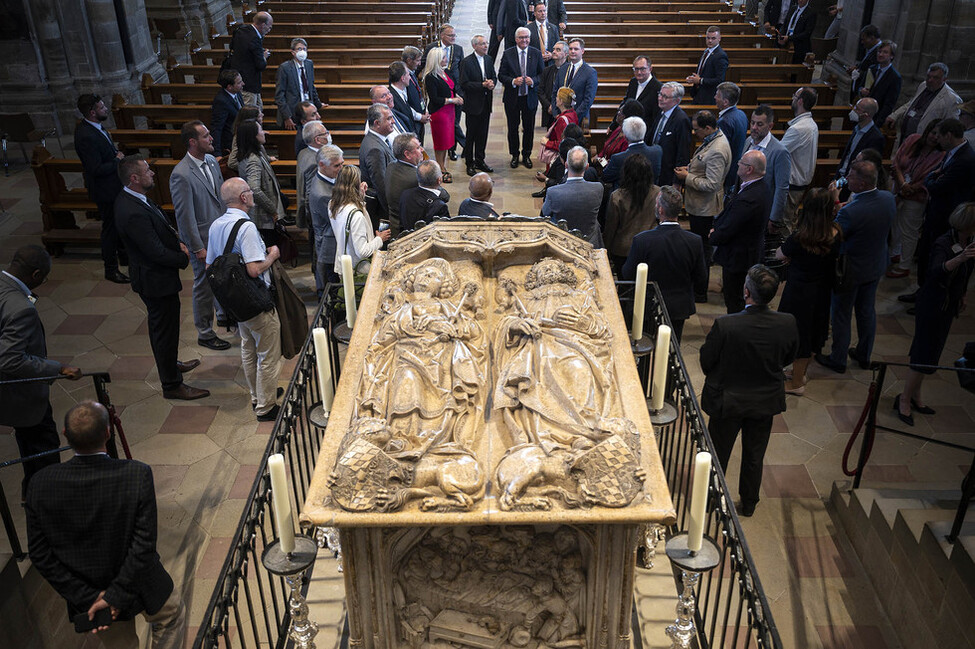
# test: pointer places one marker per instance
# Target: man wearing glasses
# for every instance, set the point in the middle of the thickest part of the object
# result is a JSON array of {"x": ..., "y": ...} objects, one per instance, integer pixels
[
  {"x": 644, "y": 88},
  {"x": 672, "y": 132}
]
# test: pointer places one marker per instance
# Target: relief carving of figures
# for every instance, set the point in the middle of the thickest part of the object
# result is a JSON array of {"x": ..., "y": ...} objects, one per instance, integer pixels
[
  {"x": 423, "y": 379},
  {"x": 556, "y": 391}
]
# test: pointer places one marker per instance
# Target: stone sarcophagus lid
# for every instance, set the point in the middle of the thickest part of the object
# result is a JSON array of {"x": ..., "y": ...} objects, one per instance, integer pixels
[{"x": 489, "y": 459}]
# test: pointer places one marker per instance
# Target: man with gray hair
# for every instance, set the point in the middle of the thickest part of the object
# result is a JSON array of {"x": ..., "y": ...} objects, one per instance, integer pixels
[
  {"x": 635, "y": 131},
  {"x": 675, "y": 257},
  {"x": 426, "y": 201},
  {"x": 576, "y": 201},
  {"x": 933, "y": 100},
  {"x": 315, "y": 136},
  {"x": 328, "y": 163},
  {"x": 401, "y": 175},
  {"x": 672, "y": 132},
  {"x": 383, "y": 95},
  {"x": 477, "y": 80},
  {"x": 295, "y": 84},
  {"x": 375, "y": 154}
]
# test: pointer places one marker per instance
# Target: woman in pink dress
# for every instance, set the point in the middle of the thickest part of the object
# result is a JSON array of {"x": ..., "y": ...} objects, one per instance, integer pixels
[{"x": 442, "y": 101}]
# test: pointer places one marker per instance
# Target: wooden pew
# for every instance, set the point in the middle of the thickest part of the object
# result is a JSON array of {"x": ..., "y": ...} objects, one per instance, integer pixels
[
  {"x": 198, "y": 93},
  {"x": 639, "y": 24},
  {"x": 280, "y": 143},
  {"x": 349, "y": 38}
]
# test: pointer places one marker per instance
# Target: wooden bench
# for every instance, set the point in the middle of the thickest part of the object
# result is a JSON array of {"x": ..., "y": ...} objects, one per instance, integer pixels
[
  {"x": 280, "y": 143},
  {"x": 199, "y": 93},
  {"x": 349, "y": 39},
  {"x": 639, "y": 24}
]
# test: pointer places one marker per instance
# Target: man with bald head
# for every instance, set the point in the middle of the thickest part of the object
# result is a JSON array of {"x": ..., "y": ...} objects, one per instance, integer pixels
[
  {"x": 739, "y": 231},
  {"x": 479, "y": 204},
  {"x": 249, "y": 56},
  {"x": 383, "y": 95},
  {"x": 260, "y": 337},
  {"x": 865, "y": 134}
]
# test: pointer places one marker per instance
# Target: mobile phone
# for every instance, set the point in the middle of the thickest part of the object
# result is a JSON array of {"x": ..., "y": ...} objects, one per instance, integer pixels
[
  {"x": 102, "y": 618},
  {"x": 383, "y": 225}
]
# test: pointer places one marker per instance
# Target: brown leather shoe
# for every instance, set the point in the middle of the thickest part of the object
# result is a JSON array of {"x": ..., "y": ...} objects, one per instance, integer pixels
[
  {"x": 186, "y": 393},
  {"x": 188, "y": 366}
]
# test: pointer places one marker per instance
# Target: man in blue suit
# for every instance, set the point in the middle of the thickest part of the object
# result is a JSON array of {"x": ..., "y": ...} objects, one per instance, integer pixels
[
  {"x": 734, "y": 124},
  {"x": 223, "y": 111},
  {"x": 520, "y": 73},
  {"x": 576, "y": 200},
  {"x": 578, "y": 75},
  {"x": 634, "y": 130},
  {"x": 710, "y": 70},
  {"x": 883, "y": 82},
  {"x": 865, "y": 222},
  {"x": 295, "y": 84},
  {"x": 778, "y": 161}
]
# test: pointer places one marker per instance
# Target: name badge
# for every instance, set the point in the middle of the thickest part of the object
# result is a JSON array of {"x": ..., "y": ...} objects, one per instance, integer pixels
[{"x": 911, "y": 113}]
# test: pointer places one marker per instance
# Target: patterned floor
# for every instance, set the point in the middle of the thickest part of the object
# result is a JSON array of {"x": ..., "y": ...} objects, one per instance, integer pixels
[{"x": 204, "y": 454}]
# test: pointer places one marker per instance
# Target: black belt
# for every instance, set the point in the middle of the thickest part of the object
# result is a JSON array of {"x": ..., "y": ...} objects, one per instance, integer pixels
[{"x": 798, "y": 188}]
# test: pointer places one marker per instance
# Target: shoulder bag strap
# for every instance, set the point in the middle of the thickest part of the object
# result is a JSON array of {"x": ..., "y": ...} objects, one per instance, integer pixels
[
  {"x": 229, "y": 246},
  {"x": 348, "y": 229}
]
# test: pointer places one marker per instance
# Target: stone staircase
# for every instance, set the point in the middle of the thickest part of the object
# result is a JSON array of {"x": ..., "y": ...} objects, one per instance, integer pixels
[{"x": 925, "y": 585}]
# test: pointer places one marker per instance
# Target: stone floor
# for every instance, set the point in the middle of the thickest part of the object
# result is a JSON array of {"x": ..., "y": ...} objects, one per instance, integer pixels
[{"x": 204, "y": 454}]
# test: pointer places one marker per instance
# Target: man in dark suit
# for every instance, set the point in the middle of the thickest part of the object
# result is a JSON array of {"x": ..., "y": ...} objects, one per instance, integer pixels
[
  {"x": 223, "y": 111},
  {"x": 453, "y": 55},
  {"x": 375, "y": 155},
  {"x": 870, "y": 42},
  {"x": 425, "y": 201},
  {"x": 295, "y": 84},
  {"x": 883, "y": 82},
  {"x": 399, "y": 90},
  {"x": 799, "y": 31},
  {"x": 576, "y": 201},
  {"x": 305, "y": 112},
  {"x": 734, "y": 124},
  {"x": 672, "y": 132},
  {"x": 744, "y": 386},
  {"x": 547, "y": 89},
  {"x": 26, "y": 407},
  {"x": 644, "y": 88},
  {"x": 479, "y": 204},
  {"x": 544, "y": 35},
  {"x": 866, "y": 135},
  {"x": 401, "y": 175},
  {"x": 711, "y": 68},
  {"x": 512, "y": 14},
  {"x": 99, "y": 163},
  {"x": 865, "y": 222},
  {"x": 581, "y": 77},
  {"x": 496, "y": 34},
  {"x": 634, "y": 130},
  {"x": 675, "y": 258},
  {"x": 411, "y": 59},
  {"x": 520, "y": 74},
  {"x": 156, "y": 255},
  {"x": 739, "y": 231},
  {"x": 477, "y": 79},
  {"x": 777, "y": 14},
  {"x": 91, "y": 530},
  {"x": 556, "y": 12},
  {"x": 249, "y": 56}
]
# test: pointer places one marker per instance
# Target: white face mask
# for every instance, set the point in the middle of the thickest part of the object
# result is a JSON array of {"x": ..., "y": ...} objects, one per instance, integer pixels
[
  {"x": 301, "y": 55},
  {"x": 854, "y": 116}
]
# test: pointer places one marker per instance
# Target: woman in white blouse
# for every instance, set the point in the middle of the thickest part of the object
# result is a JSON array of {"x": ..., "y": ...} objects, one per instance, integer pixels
[{"x": 347, "y": 212}]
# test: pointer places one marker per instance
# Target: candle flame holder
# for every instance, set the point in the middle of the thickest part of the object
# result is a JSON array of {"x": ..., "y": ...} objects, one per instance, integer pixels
[
  {"x": 692, "y": 565},
  {"x": 317, "y": 415},
  {"x": 341, "y": 333},
  {"x": 293, "y": 566},
  {"x": 663, "y": 417}
]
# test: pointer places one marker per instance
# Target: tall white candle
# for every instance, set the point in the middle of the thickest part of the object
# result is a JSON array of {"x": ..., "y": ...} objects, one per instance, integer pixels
[
  {"x": 639, "y": 302},
  {"x": 283, "y": 518},
  {"x": 699, "y": 501},
  {"x": 324, "y": 367},
  {"x": 661, "y": 355},
  {"x": 349, "y": 286}
]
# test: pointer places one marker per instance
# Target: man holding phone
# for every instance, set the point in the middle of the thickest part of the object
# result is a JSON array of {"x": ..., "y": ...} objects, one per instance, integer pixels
[{"x": 91, "y": 530}]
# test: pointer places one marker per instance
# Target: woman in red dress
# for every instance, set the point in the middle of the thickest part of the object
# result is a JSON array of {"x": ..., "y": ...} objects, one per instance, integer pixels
[
  {"x": 565, "y": 99},
  {"x": 442, "y": 101}
]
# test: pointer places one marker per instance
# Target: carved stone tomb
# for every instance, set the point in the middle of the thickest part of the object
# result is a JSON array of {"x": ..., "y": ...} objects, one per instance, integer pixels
[{"x": 489, "y": 461}]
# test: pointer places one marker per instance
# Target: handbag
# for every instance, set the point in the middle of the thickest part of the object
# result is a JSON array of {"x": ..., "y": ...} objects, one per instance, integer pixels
[
  {"x": 842, "y": 281},
  {"x": 292, "y": 313},
  {"x": 241, "y": 296},
  {"x": 286, "y": 245}
]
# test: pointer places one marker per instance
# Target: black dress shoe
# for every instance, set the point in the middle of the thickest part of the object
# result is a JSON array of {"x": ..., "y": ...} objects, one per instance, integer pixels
[
  {"x": 853, "y": 355},
  {"x": 186, "y": 393},
  {"x": 924, "y": 410},
  {"x": 909, "y": 298},
  {"x": 746, "y": 509},
  {"x": 539, "y": 194},
  {"x": 117, "y": 276},
  {"x": 218, "y": 344},
  {"x": 188, "y": 366},
  {"x": 271, "y": 414},
  {"x": 907, "y": 419},
  {"x": 480, "y": 165},
  {"x": 471, "y": 170},
  {"x": 123, "y": 260},
  {"x": 514, "y": 162},
  {"x": 525, "y": 160},
  {"x": 828, "y": 363},
  {"x": 452, "y": 154}
]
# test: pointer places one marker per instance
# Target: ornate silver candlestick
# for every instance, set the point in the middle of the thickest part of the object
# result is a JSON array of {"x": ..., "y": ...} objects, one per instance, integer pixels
[
  {"x": 692, "y": 565},
  {"x": 292, "y": 566}
]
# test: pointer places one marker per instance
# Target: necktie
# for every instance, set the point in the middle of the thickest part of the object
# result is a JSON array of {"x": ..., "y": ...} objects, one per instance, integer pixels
[
  {"x": 795, "y": 19},
  {"x": 237, "y": 101},
  {"x": 572, "y": 73},
  {"x": 206, "y": 172},
  {"x": 660, "y": 129},
  {"x": 523, "y": 90},
  {"x": 542, "y": 29},
  {"x": 303, "y": 80},
  {"x": 446, "y": 58},
  {"x": 704, "y": 58}
]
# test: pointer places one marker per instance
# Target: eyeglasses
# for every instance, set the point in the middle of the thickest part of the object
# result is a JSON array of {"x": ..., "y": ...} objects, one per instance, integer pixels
[
  {"x": 640, "y": 69},
  {"x": 661, "y": 94}
]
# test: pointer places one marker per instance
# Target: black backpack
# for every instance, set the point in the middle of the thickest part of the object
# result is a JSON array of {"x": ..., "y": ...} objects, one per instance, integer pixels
[{"x": 241, "y": 296}]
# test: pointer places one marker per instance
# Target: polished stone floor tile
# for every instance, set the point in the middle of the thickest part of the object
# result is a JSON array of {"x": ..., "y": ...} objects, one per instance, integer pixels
[
  {"x": 816, "y": 556},
  {"x": 189, "y": 419},
  {"x": 784, "y": 481}
]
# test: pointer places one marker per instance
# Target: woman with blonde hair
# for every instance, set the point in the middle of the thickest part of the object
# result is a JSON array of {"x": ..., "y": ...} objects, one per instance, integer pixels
[
  {"x": 442, "y": 103},
  {"x": 351, "y": 226},
  {"x": 565, "y": 99}
]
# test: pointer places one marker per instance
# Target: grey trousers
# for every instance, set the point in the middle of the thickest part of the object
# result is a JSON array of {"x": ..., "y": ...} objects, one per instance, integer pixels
[
  {"x": 168, "y": 626},
  {"x": 203, "y": 300}
]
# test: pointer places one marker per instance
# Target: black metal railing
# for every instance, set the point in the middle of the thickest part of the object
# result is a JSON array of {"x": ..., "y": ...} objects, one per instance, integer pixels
[
  {"x": 868, "y": 420},
  {"x": 99, "y": 381}
]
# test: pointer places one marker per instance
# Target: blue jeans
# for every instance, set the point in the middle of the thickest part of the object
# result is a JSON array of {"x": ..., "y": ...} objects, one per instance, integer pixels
[{"x": 862, "y": 301}]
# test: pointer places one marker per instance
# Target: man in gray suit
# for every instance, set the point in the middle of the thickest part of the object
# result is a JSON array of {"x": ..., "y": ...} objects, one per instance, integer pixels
[
  {"x": 295, "y": 84},
  {"x": 315, "y": 136},
  {"x": 401, "y": 174},
  {"x": 195, "y": 188},
  {"x": 26, "y": 406},
  {"x": 576, "y": 200},
  {"x": 778, "y": 162},
  {"x": 328, "y": 165},
  {"x": 375, "y": 155}
]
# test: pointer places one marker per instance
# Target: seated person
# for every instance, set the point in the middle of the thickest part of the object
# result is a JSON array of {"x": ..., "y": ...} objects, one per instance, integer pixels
[
  {"x": 426, "y": 201},
  {"x": 616, "y": 141},
  {"x": 481, "y": 188}
]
